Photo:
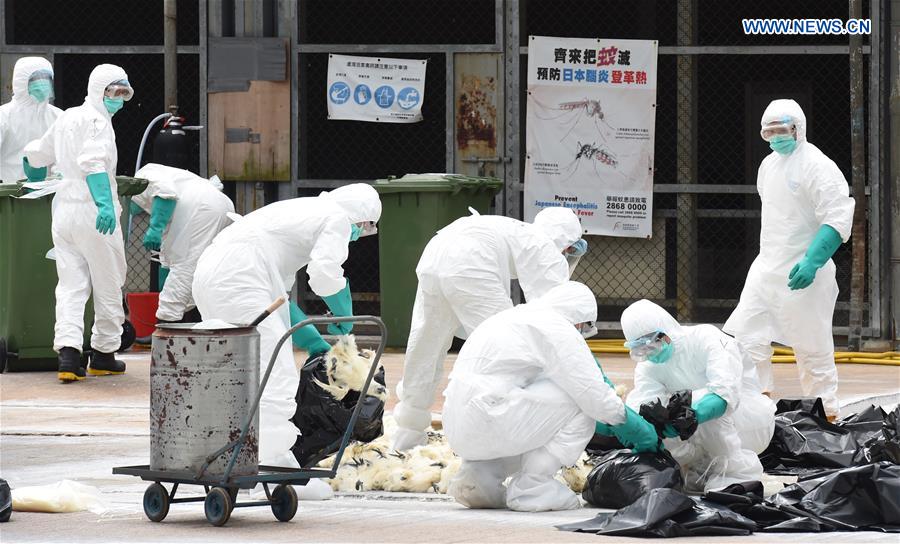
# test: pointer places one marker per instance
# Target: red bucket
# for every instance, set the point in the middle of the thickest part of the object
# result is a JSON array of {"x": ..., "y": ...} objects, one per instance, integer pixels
[{"x": 142, "y": 311}]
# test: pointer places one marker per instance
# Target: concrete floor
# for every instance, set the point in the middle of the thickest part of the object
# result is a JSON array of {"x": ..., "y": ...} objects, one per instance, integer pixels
[{"x": 50, "y": 432}]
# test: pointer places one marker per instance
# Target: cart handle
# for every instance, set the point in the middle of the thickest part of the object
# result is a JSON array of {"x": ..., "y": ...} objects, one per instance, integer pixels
[{"x": 262, "y": 386}]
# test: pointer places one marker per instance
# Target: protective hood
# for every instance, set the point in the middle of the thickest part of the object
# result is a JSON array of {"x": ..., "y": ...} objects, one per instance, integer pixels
[
  {"x": 560, "y": 224},
  {"x": 101, "y": 76},
  {"x": 572, "y": 300},
  {"x": 644, "y": 317},
  {"x": 26, "y": 66},
  {"x": 359, "y": 201},
  {"x": 783, "y": 108}
]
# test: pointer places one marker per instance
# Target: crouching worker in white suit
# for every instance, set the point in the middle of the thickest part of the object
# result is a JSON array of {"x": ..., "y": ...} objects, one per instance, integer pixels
[
  {"x": 186, "y": 213},
  {"x": 523, "y": 400},
  {"x": 736, "y": 421},
  {"x": 464, "y": 278},
  {"x": 253, "y": 261}
]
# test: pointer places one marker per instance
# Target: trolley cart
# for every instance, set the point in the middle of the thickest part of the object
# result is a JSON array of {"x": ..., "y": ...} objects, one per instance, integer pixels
[{"x": 221, "y": 491}]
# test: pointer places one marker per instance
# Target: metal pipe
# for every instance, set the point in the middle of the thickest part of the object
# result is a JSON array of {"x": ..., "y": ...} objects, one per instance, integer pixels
[
  {"x": 858, "y": 184},
  {"x": 170, "y": 55}
]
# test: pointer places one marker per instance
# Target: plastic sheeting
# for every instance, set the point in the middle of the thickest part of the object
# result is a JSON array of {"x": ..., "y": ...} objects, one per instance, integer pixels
[
  {"x": 804, "y": 441},
  {"x": 865, "y": 498},
  {"x": 63, "y": 496},
  {"x": 5, "y": 501},
  {"x": 323, "y": 419},
  {"x": 621, "y": 477},
  {"x": 677, "y": 413},
  {"x": 666, "y": 513}
]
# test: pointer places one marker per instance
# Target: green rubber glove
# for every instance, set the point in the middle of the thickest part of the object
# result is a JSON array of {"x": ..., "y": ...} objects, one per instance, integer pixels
[
  {"x": 636, "y": 433},
  {"x": 709, "y": 407},
  {"x": 307, "y": 337},
  {"x": 669, "y": 431},
  {"x": 160, "y": 215},
  {"x": 821, "y": 249},
  {"x": 32, "y": 173},
  {"x": 102, "y": 194},
  {"x": 340, "y": 305}
]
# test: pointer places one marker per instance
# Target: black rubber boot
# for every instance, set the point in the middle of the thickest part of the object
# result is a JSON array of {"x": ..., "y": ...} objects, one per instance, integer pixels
[
  {"x": 104, "y": 364},
  {"x": 70, "y": 368}
]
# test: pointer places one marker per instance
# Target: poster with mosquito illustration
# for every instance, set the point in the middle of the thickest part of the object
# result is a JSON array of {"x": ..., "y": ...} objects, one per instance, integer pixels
[
  {"x": 590, "y": 121},
  {"x": 376, "y": 89}
]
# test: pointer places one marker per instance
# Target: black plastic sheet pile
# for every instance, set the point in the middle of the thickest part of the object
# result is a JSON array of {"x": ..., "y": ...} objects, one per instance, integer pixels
[
  {"x": 322, "y": 419},
  {"x": 666, "y": 513},
  {"x": 865, "y": 498},
  {"x": 804, "y": 441},
  {"x": 621, "y": 477}
]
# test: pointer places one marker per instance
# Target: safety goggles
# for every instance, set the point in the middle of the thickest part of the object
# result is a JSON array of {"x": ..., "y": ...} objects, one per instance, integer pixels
[
  {"x": 119, "y": 89},
  {"x": 587, "y": 329},
  {"x": 646, "y": 346},
  {"x": 778, "y": 128},
  {"x": 41, "y": 75},
  {"x": 368, "y": 228}
]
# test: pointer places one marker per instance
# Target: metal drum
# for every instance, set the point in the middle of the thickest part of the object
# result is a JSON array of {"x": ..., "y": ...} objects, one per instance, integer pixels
[{"x": 202, "y": 387}]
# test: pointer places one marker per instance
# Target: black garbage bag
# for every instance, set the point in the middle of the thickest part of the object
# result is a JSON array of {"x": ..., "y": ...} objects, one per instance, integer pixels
[
  {"x": 805, "y": 441},
  {"x": 601, "y": 444},
  {"x": 621, "y": 477},
  {"x": 322, "y": 419},
  {"x": 883, "y": 447},
  {"x": 5, "y": 501},
  {"x": 677, "y": 412},
  {"x": 746, "y": 498},
  {"x": 855, "y": 498},
  {"x": 666, "y": 513}
]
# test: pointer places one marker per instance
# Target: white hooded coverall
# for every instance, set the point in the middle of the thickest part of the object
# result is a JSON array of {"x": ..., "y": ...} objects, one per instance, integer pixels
[
  {"x": 82, "y": 142},
  {"x": 200, "y": 214},
  {"x": 23, "y": 118},
  {"x": 464, "y": 278},
  {"x": 704, "y": 359},
  {"x": 523, "y": 399},
  {"x": 253, "y": 261},
  {"x": 800, "y": 192}
]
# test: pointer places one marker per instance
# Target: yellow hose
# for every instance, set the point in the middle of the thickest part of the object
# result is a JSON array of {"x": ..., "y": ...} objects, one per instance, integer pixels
[{"x": 782, "y": 355}]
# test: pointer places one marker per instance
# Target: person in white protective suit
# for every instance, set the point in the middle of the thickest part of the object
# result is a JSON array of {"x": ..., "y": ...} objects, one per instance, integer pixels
[
  {"x": 523, "y": 400},
  {"x": 790, "y": 292},
  {"x": 735, "y": 422},
  {"x": 26, "y": 117},
  {"x": 254, "y": 261},
  {"x": 464, "y": 278},
  {"x": 90, "y": 251},
  {"x": 186, "y": 213}
]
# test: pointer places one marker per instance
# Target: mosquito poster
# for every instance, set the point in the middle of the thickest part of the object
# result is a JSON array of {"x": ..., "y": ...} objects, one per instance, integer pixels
[
  {"x": 375, "y": 89},
  {"x": 591, "y": 114}
]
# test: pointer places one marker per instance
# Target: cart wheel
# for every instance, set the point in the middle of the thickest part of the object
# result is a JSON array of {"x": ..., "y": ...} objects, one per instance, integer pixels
[
  {"x": 284, "y": 502},
  {"x": 218, "y": 506},
  {"x": 156, "y": 502},
  {"x": 2, "y": 355}
]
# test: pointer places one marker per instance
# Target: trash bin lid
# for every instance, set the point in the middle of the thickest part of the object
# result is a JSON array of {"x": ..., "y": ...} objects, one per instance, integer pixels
[
  {"x": 436, "y": 183},
  {"x": 129, "y": 186},
  {"x": 9, "y": 189}
]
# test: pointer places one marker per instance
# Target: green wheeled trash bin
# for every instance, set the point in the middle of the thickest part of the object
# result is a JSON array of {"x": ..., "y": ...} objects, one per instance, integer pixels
[
  {"x": 28, "y": 278},
  {"x": 414, "y": 208}
]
